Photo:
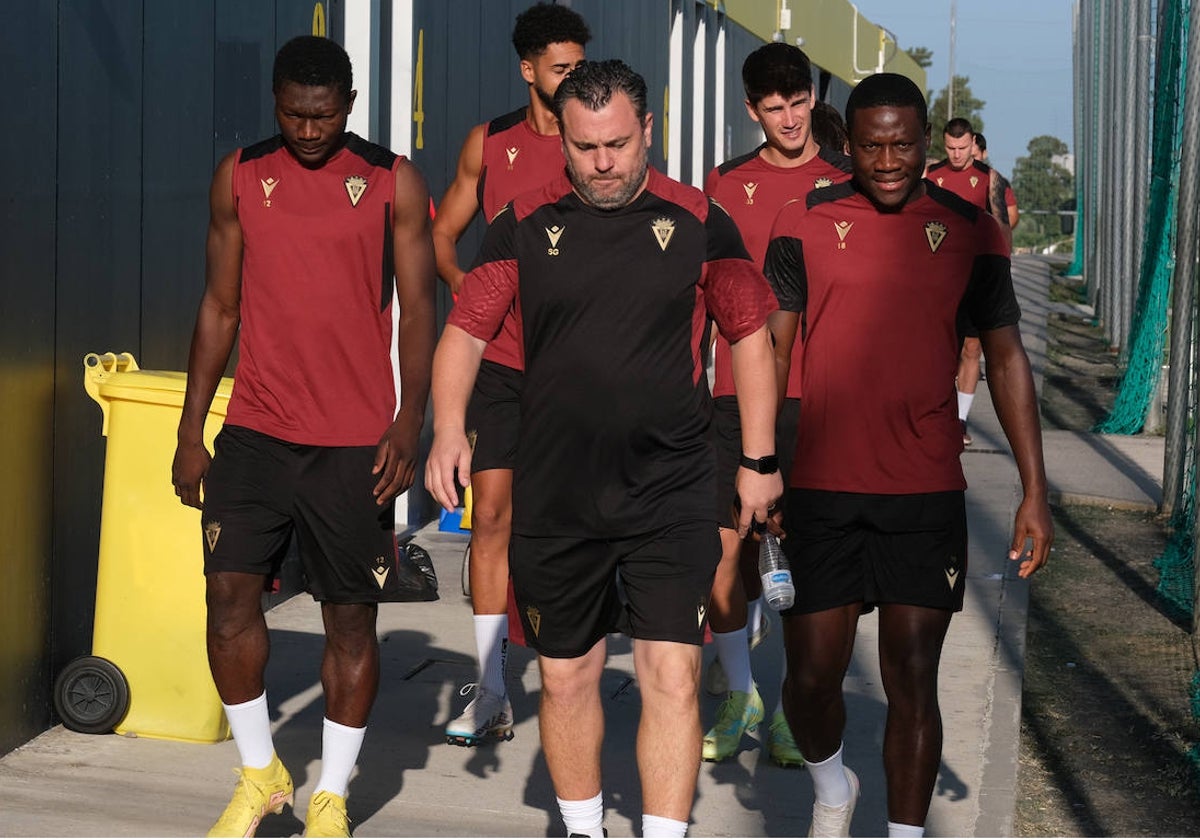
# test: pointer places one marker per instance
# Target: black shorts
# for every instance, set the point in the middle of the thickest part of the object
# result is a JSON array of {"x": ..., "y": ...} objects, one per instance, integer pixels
[
  {"x": 727, "y": 437},
  {"x": 847, "y": 548},
  {"x": 494, "y": 417},
  {"x": 566, "y": 587},
  {"x": 260, "y": 491}
]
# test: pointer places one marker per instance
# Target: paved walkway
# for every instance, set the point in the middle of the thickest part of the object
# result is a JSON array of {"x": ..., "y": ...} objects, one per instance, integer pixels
[{"x": 412, "y": 784}]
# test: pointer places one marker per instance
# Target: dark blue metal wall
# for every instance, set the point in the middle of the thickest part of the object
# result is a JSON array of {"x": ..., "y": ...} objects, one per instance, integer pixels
[{"x": 123, "y": 109}]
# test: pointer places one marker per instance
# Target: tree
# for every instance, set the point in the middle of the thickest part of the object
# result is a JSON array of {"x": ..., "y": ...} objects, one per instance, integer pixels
[
  {"x": 1043, "y": 187},
  {"x": 923, "y": 56},
  {"x": 965, "y": 105}
]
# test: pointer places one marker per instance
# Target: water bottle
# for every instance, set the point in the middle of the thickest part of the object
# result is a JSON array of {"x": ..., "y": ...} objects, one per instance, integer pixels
[{"x": 775, "y": 572}]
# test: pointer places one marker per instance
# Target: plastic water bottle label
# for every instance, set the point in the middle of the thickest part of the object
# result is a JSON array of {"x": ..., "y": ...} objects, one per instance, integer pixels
[{"x": 781, "y": 577}]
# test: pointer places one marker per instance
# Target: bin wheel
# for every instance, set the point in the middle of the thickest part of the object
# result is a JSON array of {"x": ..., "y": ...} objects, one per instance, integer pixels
[{"x": 91, "y": 695}]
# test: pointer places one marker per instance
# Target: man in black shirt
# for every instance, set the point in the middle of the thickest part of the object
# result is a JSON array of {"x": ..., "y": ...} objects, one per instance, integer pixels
[{"x": 616, "y": 269}]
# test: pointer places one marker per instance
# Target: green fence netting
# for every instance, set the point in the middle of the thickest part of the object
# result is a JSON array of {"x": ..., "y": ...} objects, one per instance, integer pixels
[{"x": 1148, "y": 329}]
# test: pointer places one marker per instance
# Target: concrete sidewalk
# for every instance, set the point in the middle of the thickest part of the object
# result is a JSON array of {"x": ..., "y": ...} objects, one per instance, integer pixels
[{"x": 411, "y": 783}]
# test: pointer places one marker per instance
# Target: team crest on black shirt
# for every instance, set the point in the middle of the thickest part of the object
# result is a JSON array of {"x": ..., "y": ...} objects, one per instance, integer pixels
[
  {"x": 822, "y": 182},
  {"x": 356, "y": 185},
  {"x": 663, "y": 229},
  {"x": 935, "y": 235},
  {"x": 554, "y": 234}
]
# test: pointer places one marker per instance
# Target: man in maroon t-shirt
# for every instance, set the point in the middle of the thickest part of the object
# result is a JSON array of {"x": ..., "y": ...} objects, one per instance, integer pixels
[
  {"x": 967, "y": 176},
  {"x": 752, "y": 187},
  {"x": 876, "y": 512},
  {"x": 499, "y": 160}
]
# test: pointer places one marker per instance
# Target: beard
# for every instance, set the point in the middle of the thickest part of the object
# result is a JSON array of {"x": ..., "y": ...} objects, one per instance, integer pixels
[
  {"x": 619, "y": 191},
  {"x": 545, "y": 96}
]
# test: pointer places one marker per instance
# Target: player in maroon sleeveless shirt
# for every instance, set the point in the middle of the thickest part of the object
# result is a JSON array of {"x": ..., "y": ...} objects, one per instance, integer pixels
[
  {"x": 499, "y": 160},
  {"x": 311, "y": 234},
  {"x": 752, "y": 188},
  {"x": 880, "y": 267},
  {"x": 967, "y": 176}
]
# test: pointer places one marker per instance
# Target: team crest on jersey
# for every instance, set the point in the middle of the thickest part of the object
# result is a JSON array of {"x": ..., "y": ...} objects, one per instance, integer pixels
[
  {"x": 939, "y": 181},
  {"x": 842, "y": 228},
  {"x": 935, "y": 235},
  {"x": 822, "y": 182},
  {"x": 535, "y": 619},
  {"x": 380, "y": 572},
  {"x": 974, "y": 182},
  {"x": 212, "y": 532},
  {"x": 554, "y": 234},
  {"x": 512, "y": 153},
  {"x": 663, "y": 229},
  {"x": 356, "y": 185},
  {"x": 268, "y": 185},
  {"x": 751, "y": 188}
]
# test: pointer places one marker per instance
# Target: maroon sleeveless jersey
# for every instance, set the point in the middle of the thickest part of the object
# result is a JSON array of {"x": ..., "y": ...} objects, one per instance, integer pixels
[
  {"x": 317, "y": 284},
  {"x": 516, "y": 159}
]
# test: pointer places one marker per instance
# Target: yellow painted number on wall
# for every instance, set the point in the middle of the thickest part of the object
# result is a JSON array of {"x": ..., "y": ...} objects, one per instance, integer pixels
[
  {"x": 318, "y": 23},
  {"x": 419, "y": 91}
]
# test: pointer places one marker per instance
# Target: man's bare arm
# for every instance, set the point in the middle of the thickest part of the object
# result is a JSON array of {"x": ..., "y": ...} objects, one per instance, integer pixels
[{"x": 459, "y": 206}]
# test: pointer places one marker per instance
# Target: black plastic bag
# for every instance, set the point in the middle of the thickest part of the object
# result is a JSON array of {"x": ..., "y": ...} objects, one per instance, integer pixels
[{"x": 413, "y": 578}]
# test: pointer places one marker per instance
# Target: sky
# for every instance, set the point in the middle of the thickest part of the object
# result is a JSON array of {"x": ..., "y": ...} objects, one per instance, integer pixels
[{"x": 1016, "y": 54}]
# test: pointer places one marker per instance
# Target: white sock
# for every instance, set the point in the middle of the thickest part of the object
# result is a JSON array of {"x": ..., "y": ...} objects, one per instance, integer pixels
[
  {"x": 662, "y": 827},
  {"x": 829, "y": 780},
  {"x": 754, "y": 615},
  {"x": 491, "y": 640},
  {"x": 339, "y": 753},
  {"x": 733, "y": 649},
  {"x": 583, "y": 817},
  {"x": 250, "y": 723},
  {"x": 902, "y": 830},
  {"x": 964, "y": 404}
]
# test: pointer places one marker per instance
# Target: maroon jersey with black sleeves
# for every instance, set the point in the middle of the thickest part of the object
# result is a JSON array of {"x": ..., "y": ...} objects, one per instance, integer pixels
[
  {"x": 752, "y": 191},
  {"x": 879, "y": 293},
  {"x": 615, "y": 408},
  {"x": 516, "y": 159}
]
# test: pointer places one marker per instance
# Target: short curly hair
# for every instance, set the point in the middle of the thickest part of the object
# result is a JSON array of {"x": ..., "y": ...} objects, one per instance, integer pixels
[
  {"x": 544, "y": 24},
  {"x": 311, "y": 60}
]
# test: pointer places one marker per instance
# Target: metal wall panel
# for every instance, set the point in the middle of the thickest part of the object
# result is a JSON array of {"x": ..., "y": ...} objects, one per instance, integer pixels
[
  {"x": 98, "y": 298},
  {"x": 177, "y": 165},
  {"x": 29, "y": 40}
]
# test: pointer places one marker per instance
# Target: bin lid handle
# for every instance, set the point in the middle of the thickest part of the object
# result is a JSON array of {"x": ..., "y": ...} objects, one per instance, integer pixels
[{"x": 99, "y": 366}]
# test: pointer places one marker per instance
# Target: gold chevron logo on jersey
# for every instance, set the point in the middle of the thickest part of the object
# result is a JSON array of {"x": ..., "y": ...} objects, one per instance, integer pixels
[
  {"x": 535, "y": 619},
  {"x": 554, "y": 234},
  {"x": 822, "y": 182},
  {"x": 663, "y": 229},
  {"x": 935, "y": 234},
  {"x": 212, "y": 533},
  {"x": 380, "y": 571},
  {"x": 268, "y": 185},
  {"x": 939, "y": 181},
  {"x": 843, "y": 229},
  {"x": 751, "y": 188},
  {"x": 512, "y": 153},
  {"x": 974, "y": 181},
  {"x": 356, "y": 185}
]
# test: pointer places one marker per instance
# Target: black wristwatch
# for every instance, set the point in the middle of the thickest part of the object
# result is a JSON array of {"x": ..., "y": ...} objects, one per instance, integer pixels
[{"x": 766, "y": 465}]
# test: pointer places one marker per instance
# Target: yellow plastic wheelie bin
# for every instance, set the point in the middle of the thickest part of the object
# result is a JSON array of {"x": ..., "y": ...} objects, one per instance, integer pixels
[{"x": 148, "y": 673}]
